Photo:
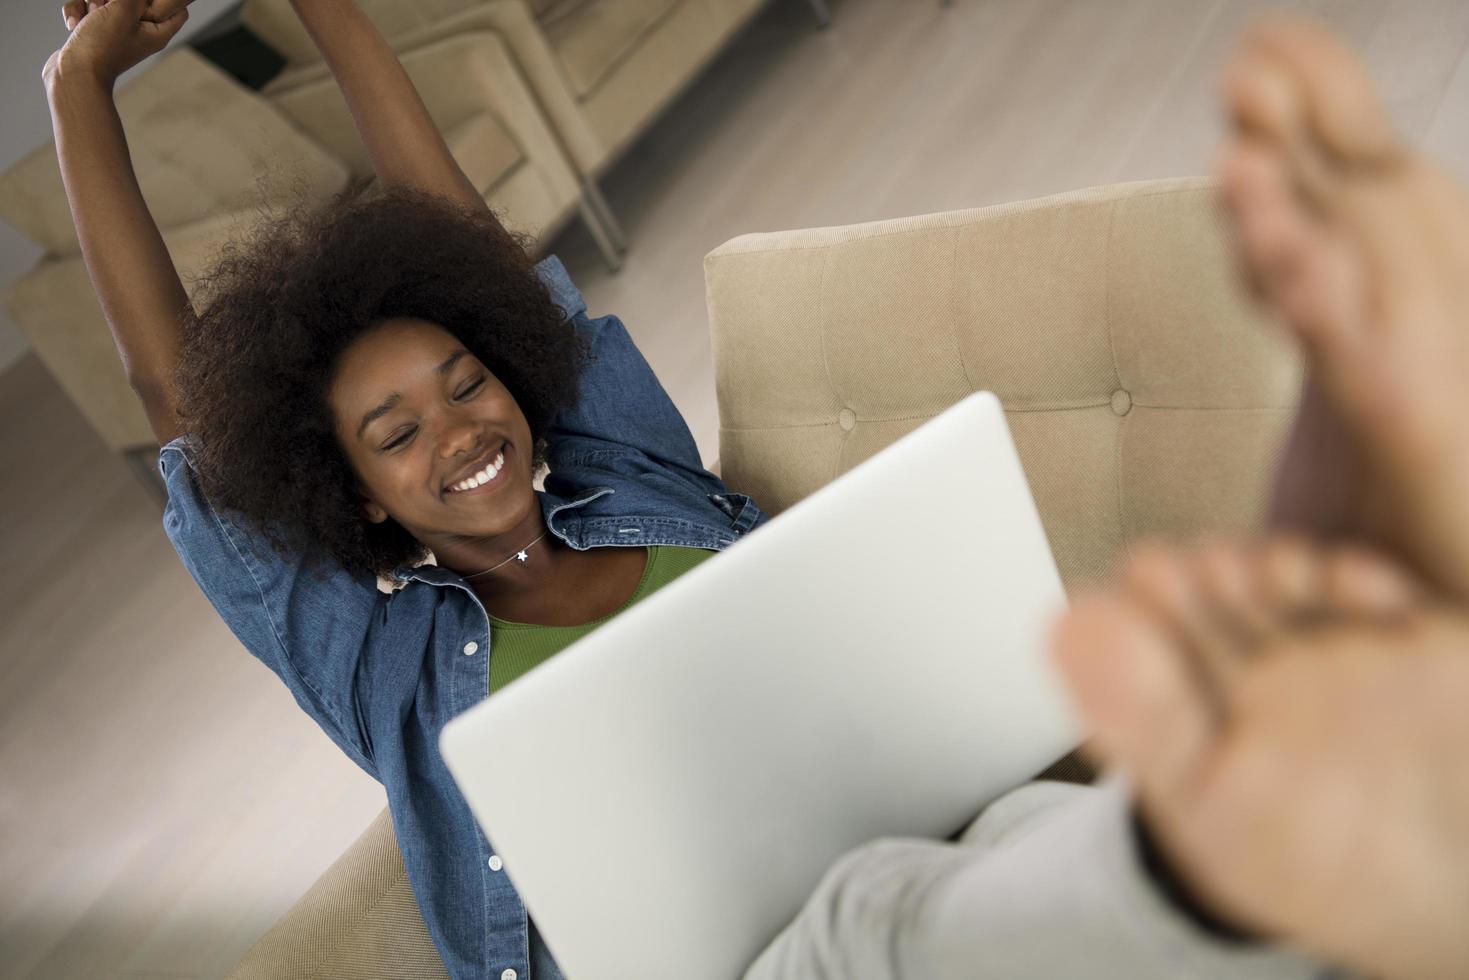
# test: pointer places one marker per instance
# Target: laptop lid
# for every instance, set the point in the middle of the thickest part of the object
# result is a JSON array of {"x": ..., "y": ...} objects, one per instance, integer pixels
[{"x": 667, "y": 792}]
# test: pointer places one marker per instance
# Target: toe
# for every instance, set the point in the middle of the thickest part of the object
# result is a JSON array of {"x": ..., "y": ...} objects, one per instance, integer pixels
[
  {"x": 1267, "y": 105},
  {"x": 1335, "y": 92},
  {"x": 1305, "y": 584},
  {"x": 1325, "y": 299},
  {"x": 1360, "y": 583},
  {"x": 1227, "y": 577},
  {"x": 1273, "y": 229},
  {"x": 1299, "y": 262},
  {"x": 1136, "y": 690},
  {"x": 1292, "y": 579},
  {"x": 1168, "y": 584},
  {"x": 1263, "y": 100},
  {"x": 1160, "y": 580}
]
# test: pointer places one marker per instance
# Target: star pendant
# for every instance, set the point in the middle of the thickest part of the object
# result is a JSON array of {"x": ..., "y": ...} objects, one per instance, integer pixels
[{"x": 522, "y": 557}]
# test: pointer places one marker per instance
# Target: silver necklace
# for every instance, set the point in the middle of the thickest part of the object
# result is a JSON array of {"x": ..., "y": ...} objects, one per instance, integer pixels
[{"x": 520, "y": 556}]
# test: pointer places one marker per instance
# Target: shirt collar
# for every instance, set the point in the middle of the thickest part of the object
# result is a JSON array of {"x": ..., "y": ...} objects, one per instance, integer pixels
[
  {"x": 429, "y": 571},
  {"x": 563, "y": 291}
]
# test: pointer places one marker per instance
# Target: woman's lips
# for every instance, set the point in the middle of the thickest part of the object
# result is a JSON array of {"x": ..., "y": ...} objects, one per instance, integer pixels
[{"x": 495, "y": 480}]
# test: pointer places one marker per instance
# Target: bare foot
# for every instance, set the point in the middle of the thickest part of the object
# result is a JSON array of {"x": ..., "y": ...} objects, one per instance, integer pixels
[
  {"x": 1293, "y": 722},
  {"x": 1364, "y": 248}
]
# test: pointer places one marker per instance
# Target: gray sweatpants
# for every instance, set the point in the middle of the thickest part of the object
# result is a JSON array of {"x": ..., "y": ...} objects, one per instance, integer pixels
[{"x": 1045, "y": 884}]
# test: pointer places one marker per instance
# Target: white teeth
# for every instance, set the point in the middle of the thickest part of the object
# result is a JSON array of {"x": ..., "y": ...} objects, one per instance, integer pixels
[{"x": 483, "y": 476}]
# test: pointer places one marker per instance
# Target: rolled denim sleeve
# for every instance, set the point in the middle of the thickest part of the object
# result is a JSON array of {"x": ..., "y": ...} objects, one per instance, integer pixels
[
  {"x": 1045, "y": 884},
  {"x": 621, "y": 405},
  {"x": 308, "y": 622}
]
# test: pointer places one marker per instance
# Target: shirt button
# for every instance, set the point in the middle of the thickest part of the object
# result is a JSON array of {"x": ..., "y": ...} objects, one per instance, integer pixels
[
  {"x": 495, "y": 863},
  {"x": 508, "y": 975},
  {"x": 470, "y": 648}
]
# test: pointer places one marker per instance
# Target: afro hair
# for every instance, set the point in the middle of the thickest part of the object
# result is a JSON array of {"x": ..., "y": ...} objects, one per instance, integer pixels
[{"x": 282, "y": 304}]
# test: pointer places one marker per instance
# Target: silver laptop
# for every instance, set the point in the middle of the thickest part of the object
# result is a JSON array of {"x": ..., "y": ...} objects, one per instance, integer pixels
[{"x": 667, "y": 792}]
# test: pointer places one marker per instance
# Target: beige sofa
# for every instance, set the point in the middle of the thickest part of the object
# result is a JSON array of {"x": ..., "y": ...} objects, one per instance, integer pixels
[
  {"x": 1144, "y": 393},
  {"x": 200, "y": 143}
]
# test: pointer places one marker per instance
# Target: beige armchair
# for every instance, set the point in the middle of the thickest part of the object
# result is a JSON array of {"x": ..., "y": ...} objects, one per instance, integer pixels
[
  {"x": 198, "y": 141},
  {"x": 601, "y": 70},
  {"x": 1144, "y": 393}
]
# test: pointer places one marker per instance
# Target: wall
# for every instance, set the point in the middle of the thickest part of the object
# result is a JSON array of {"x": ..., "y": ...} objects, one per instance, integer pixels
[{"x": 33, "y": 30}]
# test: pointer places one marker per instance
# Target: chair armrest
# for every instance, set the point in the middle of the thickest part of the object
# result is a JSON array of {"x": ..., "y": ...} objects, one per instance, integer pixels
[
  {"x": 491, "y": 121},
  {"x": 408, "y": 26},
  {"x": 56, "y": 309},
  {"x": 358, "y": 921}
]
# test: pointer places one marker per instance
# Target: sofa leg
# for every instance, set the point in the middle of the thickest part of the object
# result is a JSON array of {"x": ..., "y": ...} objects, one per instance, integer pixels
[
  {"x": 611, "y": 255},
  {"x": 592, "y": 194},
  {"x": 823, "y": 16},
  {"x": 144, "y": 464}
]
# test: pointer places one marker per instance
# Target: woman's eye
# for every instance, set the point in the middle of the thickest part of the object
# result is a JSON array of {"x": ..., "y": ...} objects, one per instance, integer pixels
[
  {"x": 470, "y": 388},
  {"x": 400, "y": 440}
]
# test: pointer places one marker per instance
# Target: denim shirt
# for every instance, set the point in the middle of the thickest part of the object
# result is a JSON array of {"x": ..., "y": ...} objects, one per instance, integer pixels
[{"x": 383, "y": 673}]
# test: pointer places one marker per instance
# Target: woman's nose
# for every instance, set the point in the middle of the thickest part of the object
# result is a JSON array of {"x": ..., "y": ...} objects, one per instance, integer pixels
[{"x": 458, "y": 434}]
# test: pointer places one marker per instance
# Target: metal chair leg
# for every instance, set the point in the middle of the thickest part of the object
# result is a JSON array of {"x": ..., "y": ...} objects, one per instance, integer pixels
[
  {"x": 611, "y": 255},
  {"x": 823, "y": 16},
  {"x": 592, "y": 194}
]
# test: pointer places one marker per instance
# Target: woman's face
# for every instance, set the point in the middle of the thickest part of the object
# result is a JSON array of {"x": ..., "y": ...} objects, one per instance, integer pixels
[{"x": 417, "y": 415}]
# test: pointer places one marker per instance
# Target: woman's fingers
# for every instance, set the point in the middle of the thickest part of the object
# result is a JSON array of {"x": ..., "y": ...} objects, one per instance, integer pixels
[
  {"x": 165, "y": 13},
  {"x": 164, "y": 30},
  {"x": 162, "y": 11},
  {"x": 74, "y": 10}
]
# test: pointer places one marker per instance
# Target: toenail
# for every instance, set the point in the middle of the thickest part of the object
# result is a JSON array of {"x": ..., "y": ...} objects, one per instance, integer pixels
[{"x": 1121, "y": 402}]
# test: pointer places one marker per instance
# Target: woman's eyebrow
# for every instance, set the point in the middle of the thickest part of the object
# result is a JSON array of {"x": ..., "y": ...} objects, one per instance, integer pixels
[
  {"x": 392, "y": 400},
  {"x": 448, "y": 365},
  {"x": 387, "y": 406}
]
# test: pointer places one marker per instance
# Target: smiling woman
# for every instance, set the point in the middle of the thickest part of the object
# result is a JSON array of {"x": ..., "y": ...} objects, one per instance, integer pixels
[
  {"x": 406, "y": 312},
  {"x": 366, "y": 383}
]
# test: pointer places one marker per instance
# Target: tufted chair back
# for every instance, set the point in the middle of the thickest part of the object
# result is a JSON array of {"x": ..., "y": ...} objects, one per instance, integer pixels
[{"x": 1146, "y": 394}]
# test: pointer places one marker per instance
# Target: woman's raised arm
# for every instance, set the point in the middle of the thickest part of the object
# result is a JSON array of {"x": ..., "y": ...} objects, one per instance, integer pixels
[
  {"x": 402, "y": 141},
  {"x": 139, "y": 289}
]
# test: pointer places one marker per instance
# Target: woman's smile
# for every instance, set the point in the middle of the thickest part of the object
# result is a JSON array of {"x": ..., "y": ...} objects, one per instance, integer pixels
[{"x": 485, "y": 479}]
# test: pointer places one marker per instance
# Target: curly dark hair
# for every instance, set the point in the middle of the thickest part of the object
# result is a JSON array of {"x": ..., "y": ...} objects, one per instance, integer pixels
[{"x": 282, "y": 304}]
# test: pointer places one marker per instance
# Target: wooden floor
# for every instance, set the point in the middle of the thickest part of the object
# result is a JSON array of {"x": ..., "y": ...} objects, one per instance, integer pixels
[{"x": 163, "y": 800}]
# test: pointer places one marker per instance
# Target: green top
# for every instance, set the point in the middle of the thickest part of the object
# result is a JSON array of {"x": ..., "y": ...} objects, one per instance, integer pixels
[{"x": 517, "y": 647}]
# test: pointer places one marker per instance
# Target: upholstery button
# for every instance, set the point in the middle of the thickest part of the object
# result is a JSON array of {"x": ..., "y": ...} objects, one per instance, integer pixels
[
  {"x": 847, "y": 419},
  {"x": 495, "y": 863},
  {"x": 471, "y": 648},
  {"x": 508, "y": 975},
  {"x": 1121, "y": 401}
]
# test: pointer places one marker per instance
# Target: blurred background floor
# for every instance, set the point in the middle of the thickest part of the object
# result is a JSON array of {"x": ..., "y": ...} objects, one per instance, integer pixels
[{"x": 162, "y": 798}]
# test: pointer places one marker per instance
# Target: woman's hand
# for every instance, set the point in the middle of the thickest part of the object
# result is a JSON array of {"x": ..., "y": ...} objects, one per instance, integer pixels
[{"x": 110, "y": 36}]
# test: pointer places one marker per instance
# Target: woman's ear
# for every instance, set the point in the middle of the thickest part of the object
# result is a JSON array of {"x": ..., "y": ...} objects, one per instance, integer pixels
[{"x": 371, "y": 509}]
